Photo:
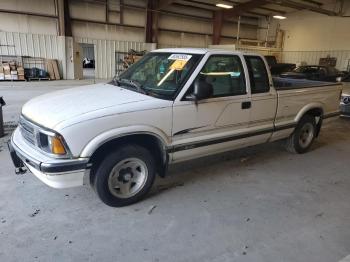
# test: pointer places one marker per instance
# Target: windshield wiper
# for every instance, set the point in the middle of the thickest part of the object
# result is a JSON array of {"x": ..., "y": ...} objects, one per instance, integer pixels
[{"x": 132, "y": 83}]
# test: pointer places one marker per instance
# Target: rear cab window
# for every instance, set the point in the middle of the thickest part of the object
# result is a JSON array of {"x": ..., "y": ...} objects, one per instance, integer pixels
[{"x": 258, "y": 75}]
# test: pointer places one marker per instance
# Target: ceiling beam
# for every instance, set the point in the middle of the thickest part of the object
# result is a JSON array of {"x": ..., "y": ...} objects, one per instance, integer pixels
[
  {"x": 164, "y": 3},
  {"x": 213, "y": 7},
  {"x": 273, "y": 10},
  {"x": 244, "y": 7},
  {"x": 301, "y": 6},
  {"x": 313, "y": 2},
  {"x": 27, "y": 13}
]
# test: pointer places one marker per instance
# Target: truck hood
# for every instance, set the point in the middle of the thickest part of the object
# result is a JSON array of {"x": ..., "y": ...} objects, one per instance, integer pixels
[{"x": 51, "y": 109}]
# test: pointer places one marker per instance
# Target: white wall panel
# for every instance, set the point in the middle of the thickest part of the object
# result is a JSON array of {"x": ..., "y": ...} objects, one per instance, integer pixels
[
  {"x": 105, "y": 53},
  {"x": 313, "y": 57},
  {"x": 35, "y": 45}
]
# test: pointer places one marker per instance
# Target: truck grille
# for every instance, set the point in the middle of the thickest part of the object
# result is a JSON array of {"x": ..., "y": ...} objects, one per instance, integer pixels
[
  {"x": 27, "y": 130},
  {"x": 345, "y": 109}
]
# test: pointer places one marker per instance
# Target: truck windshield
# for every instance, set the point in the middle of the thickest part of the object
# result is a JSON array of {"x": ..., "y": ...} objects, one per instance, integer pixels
[{"x": 159, "y": 74}]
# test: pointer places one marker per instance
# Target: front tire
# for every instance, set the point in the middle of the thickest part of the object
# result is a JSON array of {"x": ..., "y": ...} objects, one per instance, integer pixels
[
  {"x": 303, "y": 136},
  {"x": 125, "y": 176}
]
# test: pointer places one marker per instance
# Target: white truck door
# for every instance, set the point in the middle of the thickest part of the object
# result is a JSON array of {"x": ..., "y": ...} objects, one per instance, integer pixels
[
  {"x": 217, "y": 123},
  {"x": 263, "y": 98}
]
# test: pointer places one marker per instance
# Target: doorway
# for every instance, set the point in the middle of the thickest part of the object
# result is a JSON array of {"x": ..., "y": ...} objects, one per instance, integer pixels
[{"x": 88, "y": 61}]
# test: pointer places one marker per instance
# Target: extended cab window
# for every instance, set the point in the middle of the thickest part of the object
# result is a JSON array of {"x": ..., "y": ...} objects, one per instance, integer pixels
[
  {"x": 259, "y": 79},
  {"x": 225, "y": 73}
]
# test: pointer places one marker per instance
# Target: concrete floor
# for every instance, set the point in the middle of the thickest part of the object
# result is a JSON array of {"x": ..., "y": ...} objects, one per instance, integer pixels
[
  {"x": 255, "y": 204},
  {"x": 88, "y": 73}
]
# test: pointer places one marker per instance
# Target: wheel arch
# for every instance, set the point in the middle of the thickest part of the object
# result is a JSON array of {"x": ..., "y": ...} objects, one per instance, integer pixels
[
  {"x": 314, "y": 109},
  {"x": 105, "y": 143}
]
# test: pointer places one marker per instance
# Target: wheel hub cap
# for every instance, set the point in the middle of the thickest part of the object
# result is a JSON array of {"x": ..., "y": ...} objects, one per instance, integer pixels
[
  {"x": 306, "y": 135},
  {"x": 127, "y": 177}
]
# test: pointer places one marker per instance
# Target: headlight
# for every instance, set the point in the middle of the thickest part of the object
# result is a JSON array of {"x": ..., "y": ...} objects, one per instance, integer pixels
[{"x": 51, "y": 143}]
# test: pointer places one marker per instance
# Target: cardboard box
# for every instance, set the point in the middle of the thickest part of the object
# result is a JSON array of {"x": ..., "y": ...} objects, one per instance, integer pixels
[
  {"x": 2, "y": 76},
  {"x": 21, "y": 77},
  {"x": 8, "y": 77},
  {"x": 20, "y": 70},
  {"x": 13, "y": 66},
  {"x": 14, "y": 77},
  {"x": 6, "y": 66},
  {"x": 14, "y": 72}
]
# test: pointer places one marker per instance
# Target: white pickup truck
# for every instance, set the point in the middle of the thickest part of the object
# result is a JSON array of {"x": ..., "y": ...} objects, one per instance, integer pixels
[{"x": 171, "y": 106}]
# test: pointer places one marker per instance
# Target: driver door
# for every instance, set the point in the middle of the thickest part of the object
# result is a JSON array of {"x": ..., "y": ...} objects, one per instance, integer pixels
[{"x": 213, "y": 124}]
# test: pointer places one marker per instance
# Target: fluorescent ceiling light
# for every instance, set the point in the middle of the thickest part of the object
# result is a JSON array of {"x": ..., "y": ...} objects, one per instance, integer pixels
[
  {"x": 279, "y": 17},
  {"x": 224, "y": 6}
]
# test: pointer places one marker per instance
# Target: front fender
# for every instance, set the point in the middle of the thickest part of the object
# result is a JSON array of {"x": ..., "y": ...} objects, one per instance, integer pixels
[{"x": 112, "y": 134}]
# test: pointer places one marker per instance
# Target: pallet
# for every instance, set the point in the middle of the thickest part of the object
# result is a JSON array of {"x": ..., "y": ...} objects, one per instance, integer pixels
[
  {"x": 12, "y": 80},
  {"x": 38, "y": 78}
]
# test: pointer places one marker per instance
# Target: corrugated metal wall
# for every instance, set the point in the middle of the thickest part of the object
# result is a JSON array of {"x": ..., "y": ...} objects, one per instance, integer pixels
[
  {"x": 21, "y": 44},
  {"x": 105, "y": 53},
  {"x": 313, "y": 57},
  {"x": 54, "y": 47}
]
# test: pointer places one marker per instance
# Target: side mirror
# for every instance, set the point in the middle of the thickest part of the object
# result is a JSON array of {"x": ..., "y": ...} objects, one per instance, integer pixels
[
  {"x": 202, "y": 90},
  {"x": 339, "y": 79}
]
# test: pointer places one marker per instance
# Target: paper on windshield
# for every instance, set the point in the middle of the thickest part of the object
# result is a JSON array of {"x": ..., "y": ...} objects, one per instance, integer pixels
[
  {"x": 178, "y": 65},
  {"x": 182, "y": 57},
  {"x": 180, "y": 61}
]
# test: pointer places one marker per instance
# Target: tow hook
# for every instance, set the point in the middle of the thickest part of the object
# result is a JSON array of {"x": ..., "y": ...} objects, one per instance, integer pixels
[{"x": 20, "y": 170}]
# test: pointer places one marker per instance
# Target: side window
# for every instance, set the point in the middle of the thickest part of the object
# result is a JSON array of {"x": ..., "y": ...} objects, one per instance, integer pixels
[
  {"x": 225, "y": 73},
  {"x": 259, "y": 79}
]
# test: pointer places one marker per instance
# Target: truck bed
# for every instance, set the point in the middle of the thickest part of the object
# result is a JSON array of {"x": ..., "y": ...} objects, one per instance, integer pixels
[
  {"x": 297, "y": 96},
  {"x": 288, "y": 83}
]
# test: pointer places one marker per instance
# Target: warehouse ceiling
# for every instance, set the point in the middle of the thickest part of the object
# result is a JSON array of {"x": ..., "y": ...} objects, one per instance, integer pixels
[{"x": 262, "y": 8}]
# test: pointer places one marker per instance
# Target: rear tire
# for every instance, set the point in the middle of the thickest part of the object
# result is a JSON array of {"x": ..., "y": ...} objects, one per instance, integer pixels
[
  {"x": 125, "y": 176},
  {"x": 303, "y": 136}
]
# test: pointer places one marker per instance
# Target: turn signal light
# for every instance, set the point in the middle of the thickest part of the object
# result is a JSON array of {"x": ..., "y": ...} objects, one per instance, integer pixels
[{"x": 57, "y": 146}]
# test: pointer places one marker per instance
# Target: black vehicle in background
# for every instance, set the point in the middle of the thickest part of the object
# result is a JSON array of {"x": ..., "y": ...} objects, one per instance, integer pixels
[
  {"x": 278, "y": 68},
  {"x": 88, "y": 63},
  {"x": 315, "y": 72}
]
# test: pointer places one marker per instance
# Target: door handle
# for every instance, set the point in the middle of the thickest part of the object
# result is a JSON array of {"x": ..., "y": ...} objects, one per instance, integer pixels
[{"x": 246, "y": 105}]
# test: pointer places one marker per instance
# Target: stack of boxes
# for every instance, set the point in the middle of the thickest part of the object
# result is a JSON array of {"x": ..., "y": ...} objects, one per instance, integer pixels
[
  {"x": 20, "y": 73},
  {"x": 13, "y": 71},
  {"x": 2, "y": 75},
  {"x": 9, "y": 71}
]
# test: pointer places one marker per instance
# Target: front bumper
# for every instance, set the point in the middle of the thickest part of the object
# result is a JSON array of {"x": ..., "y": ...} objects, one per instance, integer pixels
[{"x": 57, "y": 173}]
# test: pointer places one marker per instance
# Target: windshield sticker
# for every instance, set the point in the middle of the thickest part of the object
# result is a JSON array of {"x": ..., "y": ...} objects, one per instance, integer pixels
[
  {"x": 178, "y": 65},
  {"x": 182, "y": 57}
]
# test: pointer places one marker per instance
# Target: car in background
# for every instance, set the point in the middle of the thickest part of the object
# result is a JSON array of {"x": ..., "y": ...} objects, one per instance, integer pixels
[
  {"x": 278, "y": 68},
  {"x": 88, "y": 63},
  {"x": 314, "y": 72},
  {"x": 345, "y": 97}
]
